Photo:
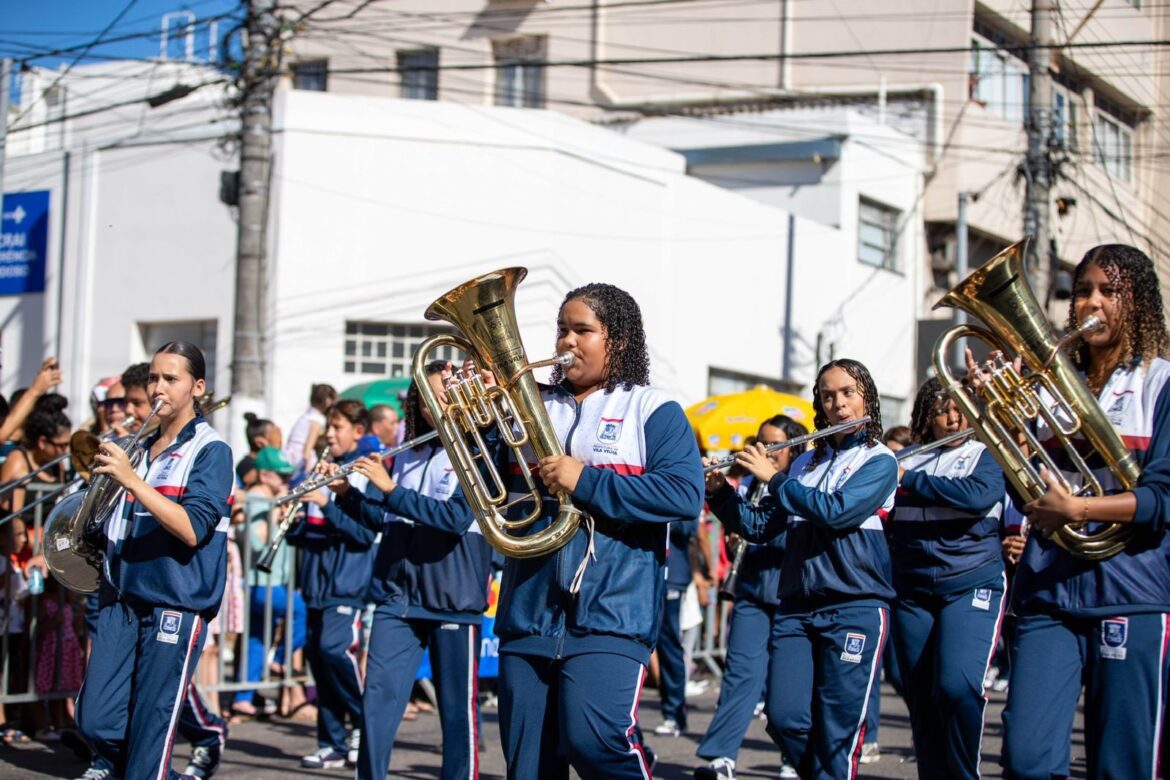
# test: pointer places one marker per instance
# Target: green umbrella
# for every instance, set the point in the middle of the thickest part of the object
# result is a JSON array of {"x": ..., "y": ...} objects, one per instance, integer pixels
[{"x": 382, "y": 391}]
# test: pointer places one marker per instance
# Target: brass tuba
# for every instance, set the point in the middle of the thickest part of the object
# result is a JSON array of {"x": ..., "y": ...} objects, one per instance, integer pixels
[
  {"x": 71, "y": 558},
  {"x": 998, "y": 294},
  {"x": 484, "y": 310}
]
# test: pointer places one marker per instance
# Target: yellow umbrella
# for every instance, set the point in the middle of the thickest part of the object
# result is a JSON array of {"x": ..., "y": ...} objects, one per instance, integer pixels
[{"x": 724, "y": 422}]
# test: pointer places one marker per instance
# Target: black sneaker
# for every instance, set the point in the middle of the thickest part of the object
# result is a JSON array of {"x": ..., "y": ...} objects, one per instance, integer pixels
[
  {"x": 325, "y": 758},
  {"x": 204, "y": 761}
]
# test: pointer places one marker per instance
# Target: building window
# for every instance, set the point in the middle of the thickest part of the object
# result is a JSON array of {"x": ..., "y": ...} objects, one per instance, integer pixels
[
  {"x": 519, "y": 72},
  {"x": 419, "y": 72},
  {"x": 877, "y": 235},
  {"x": 312, "y": 75},
  {"x": 387, "y": 349},
  {"x": 1113, "y": 141},
  {"x": 201, "y": 333},
  {"x": 998, "y": 79},
  {"x": 1065, "y": 107}
]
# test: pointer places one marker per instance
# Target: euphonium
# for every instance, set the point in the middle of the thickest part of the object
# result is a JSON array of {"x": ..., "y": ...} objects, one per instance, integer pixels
[
  {"x": 75, "y": 562},
  {"x": 1048, "y": 390},
  {"x": 483, "y": 309}
]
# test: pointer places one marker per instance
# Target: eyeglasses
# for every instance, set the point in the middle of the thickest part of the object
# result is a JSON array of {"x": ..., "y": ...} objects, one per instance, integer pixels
[{"x": 113, "y": 403}]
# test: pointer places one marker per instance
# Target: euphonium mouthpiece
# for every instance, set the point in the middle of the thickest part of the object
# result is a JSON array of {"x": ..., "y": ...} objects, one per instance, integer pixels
[
  {"x": 1091, "y": 324},
  {"x": 565, "y": 359}
]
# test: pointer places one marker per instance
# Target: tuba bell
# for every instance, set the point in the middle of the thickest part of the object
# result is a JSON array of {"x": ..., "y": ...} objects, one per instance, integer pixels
[
  {"x": 72, "y": 559},
  {"x": 1049, "y": 389},
  {"x": 484, "y": 311}
]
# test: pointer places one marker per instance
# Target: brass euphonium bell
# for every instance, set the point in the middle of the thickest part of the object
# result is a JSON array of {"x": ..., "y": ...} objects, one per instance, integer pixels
[
  {"x": 1048, "y": 389},
  {"x": 484, "y": 311}
]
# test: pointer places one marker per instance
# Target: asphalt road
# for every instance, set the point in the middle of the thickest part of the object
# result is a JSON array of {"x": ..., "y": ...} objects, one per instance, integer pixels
[{"x": 272, "y": 749}]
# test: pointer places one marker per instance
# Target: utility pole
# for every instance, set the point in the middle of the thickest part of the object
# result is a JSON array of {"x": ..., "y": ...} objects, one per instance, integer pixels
[
  {"x": 958, "y": 316},
  {"x": 1039, "y": 162},
  {"x": 257, "y": 84},
  {"x": 5, "y": 85}
]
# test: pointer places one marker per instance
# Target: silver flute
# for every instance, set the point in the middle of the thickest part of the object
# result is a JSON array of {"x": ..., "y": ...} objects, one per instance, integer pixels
[
  {"x": 950, "y": 438},
  {"x": 729, "y": 461}
]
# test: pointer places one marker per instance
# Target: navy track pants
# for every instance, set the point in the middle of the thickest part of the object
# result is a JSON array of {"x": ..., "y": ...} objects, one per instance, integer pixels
[
  {"x": 138, "y": 676},
  {"x": 672, "y": 662},
  {"x": 332, "y": 639},
  {"x": 822, "y": 667},
  {"x": 945, "y": 646},
  {"x": 586, "y": 704},
  {"x": 396, "y": 648},
  {"x": 743, "y": 679},
  {"x": 1122, "y": 663}
]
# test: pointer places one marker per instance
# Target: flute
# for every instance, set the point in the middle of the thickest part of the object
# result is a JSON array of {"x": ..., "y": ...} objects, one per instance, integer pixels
[
  {"x": 264, "y": 562},
  {"x": 729, "y": 461},
  {"x": 950, "y": 438}
]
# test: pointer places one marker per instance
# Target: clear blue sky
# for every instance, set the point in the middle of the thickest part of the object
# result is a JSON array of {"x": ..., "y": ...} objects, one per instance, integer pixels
[{"x": 31, "y": 29}]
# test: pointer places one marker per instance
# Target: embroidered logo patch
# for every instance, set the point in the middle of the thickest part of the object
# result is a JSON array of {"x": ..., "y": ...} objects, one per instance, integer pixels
[
  {"x": 168, "y": 627},
  {"x": 168, "y": 465},
  {"x": 959, "y": 467},
  {"x": 345, "y": 609},
  {"x": 1116, "y": 410},
  {"x": 854, "y": 646},
  {"x": 1114, "y": 635},
  {"x": 840, "y": 482},
  {"x": 982, "y": 599},
  {"x": 609, "y": 430}
]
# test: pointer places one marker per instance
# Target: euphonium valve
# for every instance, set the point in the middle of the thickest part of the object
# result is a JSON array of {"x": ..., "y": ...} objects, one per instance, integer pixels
[
  {"x": 1048, "y": 390},
  {"x": 483, "y": 309}
]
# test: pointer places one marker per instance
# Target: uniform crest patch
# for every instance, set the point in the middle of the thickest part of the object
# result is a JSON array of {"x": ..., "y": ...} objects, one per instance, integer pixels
[
  {"x": 838, "y": 484},
  {"x": 854, "y": 646},
  {"x": 1114, "y": 635},
  {"x": 168, "y": 627},
  {"x": 982, "y": 599},
  {"x": 609, "y": 430}
]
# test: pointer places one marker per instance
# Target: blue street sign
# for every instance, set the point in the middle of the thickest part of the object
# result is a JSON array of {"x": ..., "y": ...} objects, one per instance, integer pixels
[{"x": 24, "y": 241}]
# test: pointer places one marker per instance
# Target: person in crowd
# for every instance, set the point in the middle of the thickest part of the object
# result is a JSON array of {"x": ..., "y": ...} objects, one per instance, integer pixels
[
  {"x": 260, "y": 433},
  {"x": 898, "y": 438},
  {"x": 430, "y": 586},
  {"x": 251, "y": 512},
  {"x": 384, "y": 424},
  {"x": 672, "y": 661},
  {"x": 577, "y": 625},
  {"x": 1101, "y": 624},
  {"x": 757, "y": 598},
  {"x": 949, "y": 577},
  {"x": 301, "y": 446},
  {"x": 46, "y": 439},
  {"x": 22, "y": 403},
  {"x": 835, "y": 577},
  {"x": 337, "y": 557},
  {"x": 165, "y": 560},
  {"x": 108, "y": 400}
]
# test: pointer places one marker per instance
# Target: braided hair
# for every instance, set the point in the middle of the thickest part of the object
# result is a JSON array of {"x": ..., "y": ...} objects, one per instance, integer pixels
[
  {"x": 926, "y": 403},
  {"x": 627, "y": 361},
  {"x": 873, "y": 407},
  {"x": 1131, "y": 272}
]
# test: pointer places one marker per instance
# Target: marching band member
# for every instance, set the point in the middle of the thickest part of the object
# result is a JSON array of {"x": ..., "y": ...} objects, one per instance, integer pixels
[
  {"x": 949, "y": 577},
  {"x": 1101, "y": 623},
  {"x": 166, "y": 562},
  {"x": 757, "y": 596},
  {"x": 430, "y": 585},
  {"x": 825, "y": 649},
  {"x": 336, "y": 565},
  {"x": 577, "y": 626}
]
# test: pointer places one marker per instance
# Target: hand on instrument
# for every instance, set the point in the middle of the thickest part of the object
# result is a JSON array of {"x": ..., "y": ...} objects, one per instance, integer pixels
[
  {"x": 754, "y": 458},
  {"x": 1055, "y": 508},
  {"x": 713, "y": 480},
  {"x": 47, "y": 377},
  {"x": 372, "y": 467},
  {"x": 1013, "y": 547},
  {"x": 114, "y": 463},
  {"x": 339, "y": 486},
  {"x": 489, "y": 378},
  {"x": 317, "y": 497},
  {"x": 560, "y": 472}
]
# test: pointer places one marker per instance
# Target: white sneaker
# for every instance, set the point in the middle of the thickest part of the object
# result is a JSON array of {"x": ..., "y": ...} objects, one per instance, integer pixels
[
  {"x": 93, "y": 773},
  {"x": 787, "y": 770},
  {"x": 355, "y": 743},
  {"x": 870, "y": 753},
  {"x": 325, "y": 758},
  {"x": 668, "y": 728},
  {"x": 696, "y": 688}
]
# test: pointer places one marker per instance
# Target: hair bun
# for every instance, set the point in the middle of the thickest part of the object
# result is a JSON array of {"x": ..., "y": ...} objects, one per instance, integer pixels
[{"x": 251, "y": 418}]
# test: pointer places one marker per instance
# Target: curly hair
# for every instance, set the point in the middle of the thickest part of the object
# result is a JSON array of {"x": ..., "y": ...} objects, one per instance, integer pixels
[
  {"x": 416, "y": 424},
  {"x": 930, "y": 395},
  {"x": 627, "y": 361},
  {"x": 873, "y": 406},
  {"x": 1132, "y": 273}
]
